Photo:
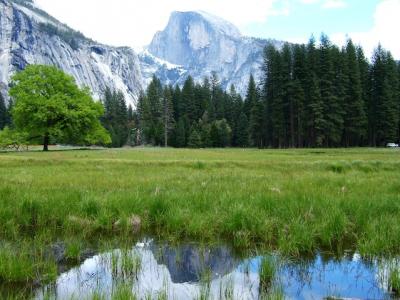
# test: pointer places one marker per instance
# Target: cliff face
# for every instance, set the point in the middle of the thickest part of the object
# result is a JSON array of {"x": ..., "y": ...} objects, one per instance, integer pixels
[
  {"x": 200, "y": 44},
  {"x": 193, "y": 43},
  {"x": 30, "y": 36}
]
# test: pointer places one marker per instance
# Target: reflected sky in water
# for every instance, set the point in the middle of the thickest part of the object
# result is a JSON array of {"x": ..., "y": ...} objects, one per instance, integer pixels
[{"x": 187, "y": 272}]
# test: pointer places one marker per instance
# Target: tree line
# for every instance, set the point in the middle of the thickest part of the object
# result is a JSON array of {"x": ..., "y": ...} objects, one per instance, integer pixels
[
  {"x": 324, "y": 96},
  {"x": 310, "y": 95},
  {"x": 196, "y": 115}
]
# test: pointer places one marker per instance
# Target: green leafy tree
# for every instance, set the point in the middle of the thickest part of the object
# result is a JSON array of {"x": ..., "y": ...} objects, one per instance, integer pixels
[
  {"x": 11, "y": 139},
  {"x": 49, "y": 104}
]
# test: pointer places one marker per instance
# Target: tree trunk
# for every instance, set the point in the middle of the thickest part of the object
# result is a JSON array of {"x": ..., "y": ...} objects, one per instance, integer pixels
[{"x": 46, "y": 141}]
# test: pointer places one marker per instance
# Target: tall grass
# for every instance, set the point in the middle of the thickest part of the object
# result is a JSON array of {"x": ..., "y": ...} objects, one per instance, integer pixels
[
  {"x": 24, "y": 264},
  {"x": 394, "y": 281},
  {"x": 267, "y": 273},
  {"x": 296, "y": 201}
]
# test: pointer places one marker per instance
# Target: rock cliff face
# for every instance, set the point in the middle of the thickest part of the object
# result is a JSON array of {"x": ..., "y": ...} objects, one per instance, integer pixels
[
  {"x": 200, "y": 44},
  {"x": 30, "y": 36},
  {"x": 193, "y": 43}
]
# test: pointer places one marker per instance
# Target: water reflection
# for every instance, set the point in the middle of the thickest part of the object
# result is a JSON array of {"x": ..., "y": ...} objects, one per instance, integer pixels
[{"x": 189, "y": 272}]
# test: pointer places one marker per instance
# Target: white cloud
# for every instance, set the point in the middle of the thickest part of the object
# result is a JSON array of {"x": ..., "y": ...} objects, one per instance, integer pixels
[
  {"x": 309, "y": 1},
  {"x": 134, "y": 22},
  {"x": 383, "y": 30},
  {"x": 386, "y": 22},
  {"x": 329, "y": 4}
]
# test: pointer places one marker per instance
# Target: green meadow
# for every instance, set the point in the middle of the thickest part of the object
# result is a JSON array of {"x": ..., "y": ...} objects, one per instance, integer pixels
[{"x": 296, "y": 202}]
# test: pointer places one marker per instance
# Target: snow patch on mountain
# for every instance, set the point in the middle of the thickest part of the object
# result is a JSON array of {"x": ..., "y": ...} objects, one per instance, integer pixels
[{"x": 167, "y": 72}]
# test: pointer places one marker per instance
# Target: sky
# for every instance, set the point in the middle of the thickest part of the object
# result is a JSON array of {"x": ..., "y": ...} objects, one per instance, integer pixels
[{"x": 134, "y": 22}]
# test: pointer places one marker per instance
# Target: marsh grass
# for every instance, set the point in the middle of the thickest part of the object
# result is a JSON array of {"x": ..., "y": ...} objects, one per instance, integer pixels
[
  {"x": 394, "y": 281},
  {"x": 267, "y": 273},
  {"x": 24, "y": 264},
  {"x": 275, "y": 294},
  {"x": 205, "y": 284},
  {"x": 123, "y": 292},
  {"x": 226, "y": 289},
  {"x": 125, "y": 264},
  {"x": 294, "y": 201}
]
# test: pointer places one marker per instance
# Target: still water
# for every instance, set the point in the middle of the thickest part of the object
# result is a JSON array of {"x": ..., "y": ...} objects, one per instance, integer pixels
[{"x": 157, "y": 271}]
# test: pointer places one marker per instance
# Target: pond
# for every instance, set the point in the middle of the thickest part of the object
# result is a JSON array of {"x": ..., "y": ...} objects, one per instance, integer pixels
[{"x": 152, "y": 270}]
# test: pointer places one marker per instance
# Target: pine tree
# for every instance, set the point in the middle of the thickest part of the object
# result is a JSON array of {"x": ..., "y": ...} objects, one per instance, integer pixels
[
  {"x": 217, "y": 99},
  {"x": 132, "y": 127},
  {"x": 180, "y": 134},
  {"x": 333, "y": 114},
  {"x": 398, "y": 98},
  {"x": 274, "y": 91},
  {"x": 122, "y": 119},
  {"x": 298, "y": 99},
  {"x": 364, "y": 69},
  {"x": 194, "y": 139},
  {"x": 235, "y": 113},
  {"x": 205, "y": 128},
  {"x": 177, "y": 103},
  {"x": 251, "y": 96},
  {"x": 355, "y": 119},
  {"x": 220, "y": 133},
  {"x": 168, "y": 114},
  {"x": 189, "y": 101},
  {"x": 143, "y": 113},
  {"x": 155, "y": 125},
  {"x": 256, "y": 124},
  {"x": 242, "y": 139},
  {"x": 288, "y": 107},
  {"x": 298, "y": 92},
  {"x": 315, "y": 117},
  {"x": 115, "y": 118},
  {"x": 309, "y": 96},
  {"x": 384, "y": 103},
  {"x": 340, "y": 83},
  {"x": 267, "y": 98}
]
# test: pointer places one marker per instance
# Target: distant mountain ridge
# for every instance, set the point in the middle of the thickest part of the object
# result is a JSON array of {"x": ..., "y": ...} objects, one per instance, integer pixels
[
  {"x": 29, "y": 35},
  {"x": 193, "y": 43},
  {"x": 200, "y": 43}
]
